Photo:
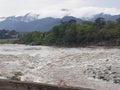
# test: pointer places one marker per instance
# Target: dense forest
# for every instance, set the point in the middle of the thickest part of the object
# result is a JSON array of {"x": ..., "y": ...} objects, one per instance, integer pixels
[
  {"x": 8, "y": 34},
  {"x": 99, "y": 32}
]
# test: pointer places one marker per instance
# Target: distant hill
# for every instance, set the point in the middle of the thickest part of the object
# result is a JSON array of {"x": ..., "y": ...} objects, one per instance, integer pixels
[
  {"x": 106, "y": 16},
  {"x": 68, "y": 18},
  {"x": 31, "y": 23}
]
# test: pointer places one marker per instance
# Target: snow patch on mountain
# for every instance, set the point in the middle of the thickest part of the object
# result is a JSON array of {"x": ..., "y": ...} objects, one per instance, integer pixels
[
  {"x": 26, "y": 18},
  {"x": 31, "y": 17},
  {"x": 2, "y": 19}
]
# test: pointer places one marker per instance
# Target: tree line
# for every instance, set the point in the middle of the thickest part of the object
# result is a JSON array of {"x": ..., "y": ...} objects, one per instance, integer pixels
[
  {"x": 99, "y": 32},
  {"x": 8, "y": 34}
]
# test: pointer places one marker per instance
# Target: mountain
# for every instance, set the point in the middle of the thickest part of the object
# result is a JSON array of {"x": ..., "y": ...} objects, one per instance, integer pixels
[
  {"x": 67, "y": 18},
  {"x": 106, "y": 16},
  {"x": 31, "y": 22}
]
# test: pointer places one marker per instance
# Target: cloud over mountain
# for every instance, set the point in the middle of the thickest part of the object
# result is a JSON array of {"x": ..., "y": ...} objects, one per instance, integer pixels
[{"x": 58, "y": 8}]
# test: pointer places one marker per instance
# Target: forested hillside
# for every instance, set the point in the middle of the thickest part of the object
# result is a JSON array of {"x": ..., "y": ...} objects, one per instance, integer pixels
[{"x": 99, "y": 32}]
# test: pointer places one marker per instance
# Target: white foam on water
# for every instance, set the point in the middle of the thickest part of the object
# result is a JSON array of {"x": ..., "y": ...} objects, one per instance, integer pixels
[{"x": 46, "y": 64}]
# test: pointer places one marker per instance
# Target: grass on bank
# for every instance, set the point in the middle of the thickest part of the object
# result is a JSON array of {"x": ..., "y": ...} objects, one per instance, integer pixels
[{"x": 8, "y": 41}]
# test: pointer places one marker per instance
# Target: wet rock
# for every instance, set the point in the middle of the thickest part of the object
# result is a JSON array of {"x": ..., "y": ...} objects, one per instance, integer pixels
[
  {"x": 117, "y": 81},
  {"x": 105, "y": 74}
]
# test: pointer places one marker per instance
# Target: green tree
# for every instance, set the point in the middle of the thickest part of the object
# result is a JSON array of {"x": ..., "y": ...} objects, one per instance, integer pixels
[{"x": 100, "y": 23}]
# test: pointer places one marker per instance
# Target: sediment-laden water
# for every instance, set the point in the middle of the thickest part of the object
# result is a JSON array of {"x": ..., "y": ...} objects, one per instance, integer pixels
[{"x": 94, "y": 67}]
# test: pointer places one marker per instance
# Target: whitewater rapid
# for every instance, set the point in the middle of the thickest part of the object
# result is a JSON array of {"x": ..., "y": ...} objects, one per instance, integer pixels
[{"x": 50, "y": 65}]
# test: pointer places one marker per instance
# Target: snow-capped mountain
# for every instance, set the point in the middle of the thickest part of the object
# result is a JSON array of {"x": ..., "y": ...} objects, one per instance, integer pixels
[
  {"x": 33, "y": 22},
  {"x": 26, "y": 18}
]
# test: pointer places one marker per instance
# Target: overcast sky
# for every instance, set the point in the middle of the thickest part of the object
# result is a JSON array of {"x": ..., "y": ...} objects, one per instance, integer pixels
[{"x": 58, "y": 8}]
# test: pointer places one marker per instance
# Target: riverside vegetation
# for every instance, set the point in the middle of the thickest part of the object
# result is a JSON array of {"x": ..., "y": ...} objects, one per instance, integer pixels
[
  {"x": 99, "y": 32},
  {"x": 8, "y": 36}
]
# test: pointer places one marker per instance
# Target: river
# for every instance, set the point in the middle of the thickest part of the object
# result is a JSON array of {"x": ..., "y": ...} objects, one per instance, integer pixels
[{"x": 92, "y": 67}]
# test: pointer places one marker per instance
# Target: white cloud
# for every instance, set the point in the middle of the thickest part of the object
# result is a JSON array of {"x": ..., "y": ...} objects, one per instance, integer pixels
[
  {"x": 90, "y": 11},
  {"x": 47, "y": 8},
  {"x": 77, "y": 12}
]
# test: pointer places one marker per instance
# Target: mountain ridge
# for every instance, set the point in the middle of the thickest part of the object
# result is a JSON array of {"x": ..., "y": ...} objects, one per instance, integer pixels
[{"x": 33, "y": 22}]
